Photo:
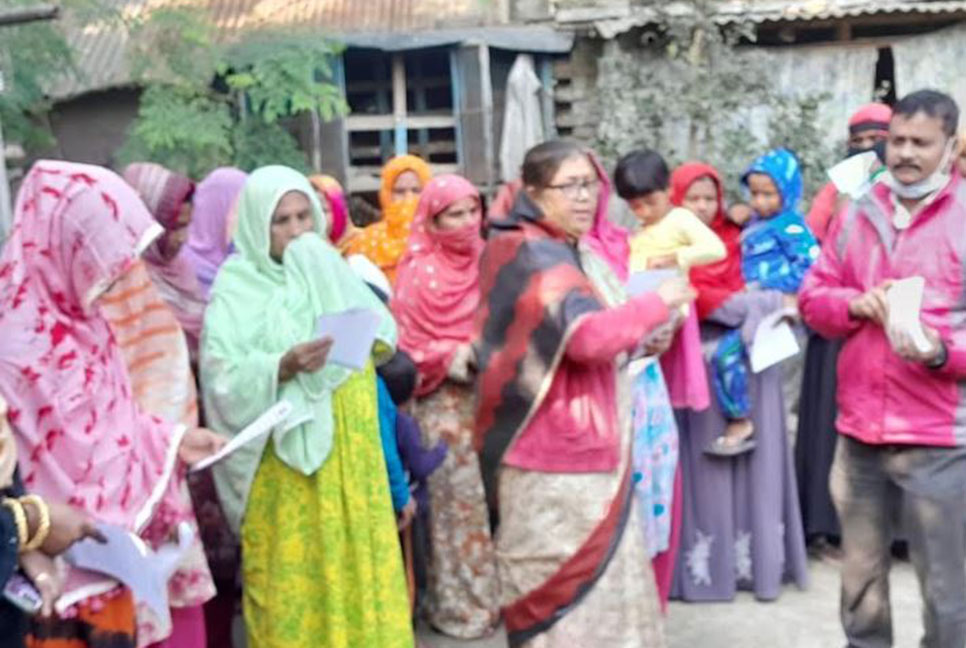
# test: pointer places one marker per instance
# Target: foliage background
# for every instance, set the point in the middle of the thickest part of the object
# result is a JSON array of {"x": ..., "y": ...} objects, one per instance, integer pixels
[
  {"x": 205, "y": 103},
  {"x": 208, "y": 104},
  {"x": 32, "y": 56}
]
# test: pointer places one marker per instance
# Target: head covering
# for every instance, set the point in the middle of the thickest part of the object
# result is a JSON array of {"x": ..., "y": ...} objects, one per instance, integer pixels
[
  {"x": 341, "y": 228},
  {"x": 777, "y": 251},
  {"x": 715, "y": 282},
  {"x": 165, "y": 193},
  {"x": 395, "y": 168},
  {"x": 437, "y": 290},
  {"x": 783, "y": 168},
  {"x": 384, "y": 243},
  {"x": 80, "y": 436},
  {"x": 260, "y": 309},
  {"x": 873, "y": 116},
  {"x": 208, "y": 238},
  {"x": 606, "y": 239},
  {"x": 8, "y": 449}
]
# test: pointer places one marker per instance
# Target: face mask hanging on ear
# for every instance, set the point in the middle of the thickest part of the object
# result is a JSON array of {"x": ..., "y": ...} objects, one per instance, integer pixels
[{"x": 936, "y": 180}]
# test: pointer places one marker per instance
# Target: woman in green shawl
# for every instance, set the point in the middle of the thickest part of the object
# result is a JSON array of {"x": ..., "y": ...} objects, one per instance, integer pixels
[{"x": 321, "y": 559}]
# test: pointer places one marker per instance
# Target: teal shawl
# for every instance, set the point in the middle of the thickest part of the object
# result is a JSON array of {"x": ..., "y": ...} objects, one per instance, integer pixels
[{"x": 259, "y": 309}]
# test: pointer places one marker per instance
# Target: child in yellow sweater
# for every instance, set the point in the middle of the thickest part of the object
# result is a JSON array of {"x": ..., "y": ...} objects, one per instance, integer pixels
[{"x": 670, "y": 237}]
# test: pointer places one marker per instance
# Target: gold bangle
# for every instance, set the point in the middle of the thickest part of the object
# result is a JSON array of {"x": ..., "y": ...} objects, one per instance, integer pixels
[
  {"x": 43, "y": 528},
  {"x": 20, "y": 519}
]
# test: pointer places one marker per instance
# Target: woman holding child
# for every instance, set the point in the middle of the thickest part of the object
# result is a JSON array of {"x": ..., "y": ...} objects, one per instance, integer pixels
[{"x": 741, "y": 527}]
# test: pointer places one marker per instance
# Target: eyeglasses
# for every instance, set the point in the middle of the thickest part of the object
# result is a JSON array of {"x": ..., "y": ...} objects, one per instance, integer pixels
[{"x": 573, "y": 190}]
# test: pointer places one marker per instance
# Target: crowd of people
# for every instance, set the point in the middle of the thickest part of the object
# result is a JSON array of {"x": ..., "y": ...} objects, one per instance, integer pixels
[{"x": 558, "y": 428}]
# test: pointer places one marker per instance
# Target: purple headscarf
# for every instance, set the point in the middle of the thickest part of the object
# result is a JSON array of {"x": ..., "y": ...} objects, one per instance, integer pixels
[{"x": 208, "y": 239}]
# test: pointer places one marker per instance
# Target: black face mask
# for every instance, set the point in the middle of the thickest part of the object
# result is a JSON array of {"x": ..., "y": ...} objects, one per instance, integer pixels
[{"x": 878, "y": 147}]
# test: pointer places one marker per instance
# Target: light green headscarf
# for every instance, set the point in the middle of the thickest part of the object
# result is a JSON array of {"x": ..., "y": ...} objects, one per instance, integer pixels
[{"x": 260, "y": 309}]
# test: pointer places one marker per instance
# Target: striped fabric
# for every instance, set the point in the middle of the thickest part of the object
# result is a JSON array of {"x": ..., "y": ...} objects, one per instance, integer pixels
[{"x": 154, "y": 347}]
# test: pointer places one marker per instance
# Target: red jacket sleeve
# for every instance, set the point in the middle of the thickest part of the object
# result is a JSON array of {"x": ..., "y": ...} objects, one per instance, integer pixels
[
  {"x": 602, "y": 335},
  {"x": 824, "y": 296}
]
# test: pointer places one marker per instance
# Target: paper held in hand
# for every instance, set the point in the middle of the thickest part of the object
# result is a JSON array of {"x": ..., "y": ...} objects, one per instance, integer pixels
[
  {"x": 353, "y": 333},
  {"x": 904, "y": 298},
  {"x": 853, "y": 176},
  {"x": 258, "y": 428},
  {"x": 126, "y": 558},
  {"x": 648, "y": 280},
  {"x": 774, "y": 341}
]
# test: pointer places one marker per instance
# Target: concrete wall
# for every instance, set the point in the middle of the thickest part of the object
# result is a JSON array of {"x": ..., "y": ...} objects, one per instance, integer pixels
[
  {"x": 92, "y": 127},
  {"x": 523, "y": 10}
]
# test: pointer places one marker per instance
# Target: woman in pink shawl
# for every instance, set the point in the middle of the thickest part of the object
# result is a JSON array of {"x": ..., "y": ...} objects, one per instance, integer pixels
[
  {"x": 80, "y": 435},
  {"x": 208, "y": 237},
  {"x": 168, "y": 197},
  {"x": 436, "y": 300}
]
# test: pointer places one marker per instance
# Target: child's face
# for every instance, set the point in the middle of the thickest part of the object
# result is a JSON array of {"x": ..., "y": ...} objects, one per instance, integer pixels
[
  {"x": 652, "y": 207},
  {"x": 766, "y": 200},
  {"x": 702, "y": 199}
]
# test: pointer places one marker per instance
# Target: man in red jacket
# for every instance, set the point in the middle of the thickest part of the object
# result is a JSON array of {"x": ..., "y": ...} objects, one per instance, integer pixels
[{"x": 902, "y": 406}]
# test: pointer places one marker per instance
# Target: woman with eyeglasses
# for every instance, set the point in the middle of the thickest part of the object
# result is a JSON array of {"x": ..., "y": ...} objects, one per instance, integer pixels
[{"x": 552, "y": 412}]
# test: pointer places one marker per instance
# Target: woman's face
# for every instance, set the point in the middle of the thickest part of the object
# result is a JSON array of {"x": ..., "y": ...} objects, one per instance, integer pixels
[
  {"x": 570, "y": 199},
  {"x": 462, "y": 213},
  {"x": 702, "y": 199},
  {"x": 407, "y": 186},
  {"x": 174, "y": 238},
  {"x": 291, "y": 219}
]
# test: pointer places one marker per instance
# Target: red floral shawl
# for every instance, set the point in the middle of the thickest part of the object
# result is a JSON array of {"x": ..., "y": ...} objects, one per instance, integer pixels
[{"x": 437, "y": 283}]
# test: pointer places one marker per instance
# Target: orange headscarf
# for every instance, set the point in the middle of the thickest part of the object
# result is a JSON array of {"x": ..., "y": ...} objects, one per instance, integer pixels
[
  {"x": 395, "y": 168},
  {"x": 384, "y": 242}
]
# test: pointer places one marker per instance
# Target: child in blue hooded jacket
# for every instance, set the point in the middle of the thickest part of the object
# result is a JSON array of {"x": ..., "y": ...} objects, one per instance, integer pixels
[{"x": 777, "y": 248}]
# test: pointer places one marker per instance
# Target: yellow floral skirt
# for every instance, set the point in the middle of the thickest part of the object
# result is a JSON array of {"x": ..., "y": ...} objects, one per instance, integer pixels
[{"x": 321, "y": 560}]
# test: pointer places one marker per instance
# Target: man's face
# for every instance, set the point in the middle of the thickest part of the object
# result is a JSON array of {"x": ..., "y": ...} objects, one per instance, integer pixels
[
  {"x": 865, "y": 140},
  {"x": 916, "y": 146}
]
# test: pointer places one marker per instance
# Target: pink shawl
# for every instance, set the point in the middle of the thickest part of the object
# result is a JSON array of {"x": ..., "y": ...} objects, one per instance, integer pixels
[
  {"x": 208, "y": 239},
  {"x": 437, "y": 286},
  {"x": 81, "y": 438},
  {"x": 607, "y": 240},
  {"x": 165, "y": 192}
]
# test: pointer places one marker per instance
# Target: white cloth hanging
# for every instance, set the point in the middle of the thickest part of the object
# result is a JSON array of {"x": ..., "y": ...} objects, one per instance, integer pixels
[{"x": 522, "y": 116}]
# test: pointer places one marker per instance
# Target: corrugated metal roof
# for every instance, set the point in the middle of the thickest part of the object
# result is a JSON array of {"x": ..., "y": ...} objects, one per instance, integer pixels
[
  {"x": 760, "y": 11},
  {"x": 101, "y": 47},
  {"x": 609, "y": 21}
]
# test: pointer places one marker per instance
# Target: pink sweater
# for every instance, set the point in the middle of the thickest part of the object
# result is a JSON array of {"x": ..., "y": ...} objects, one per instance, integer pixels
[{"x": 576, "y": 426}]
